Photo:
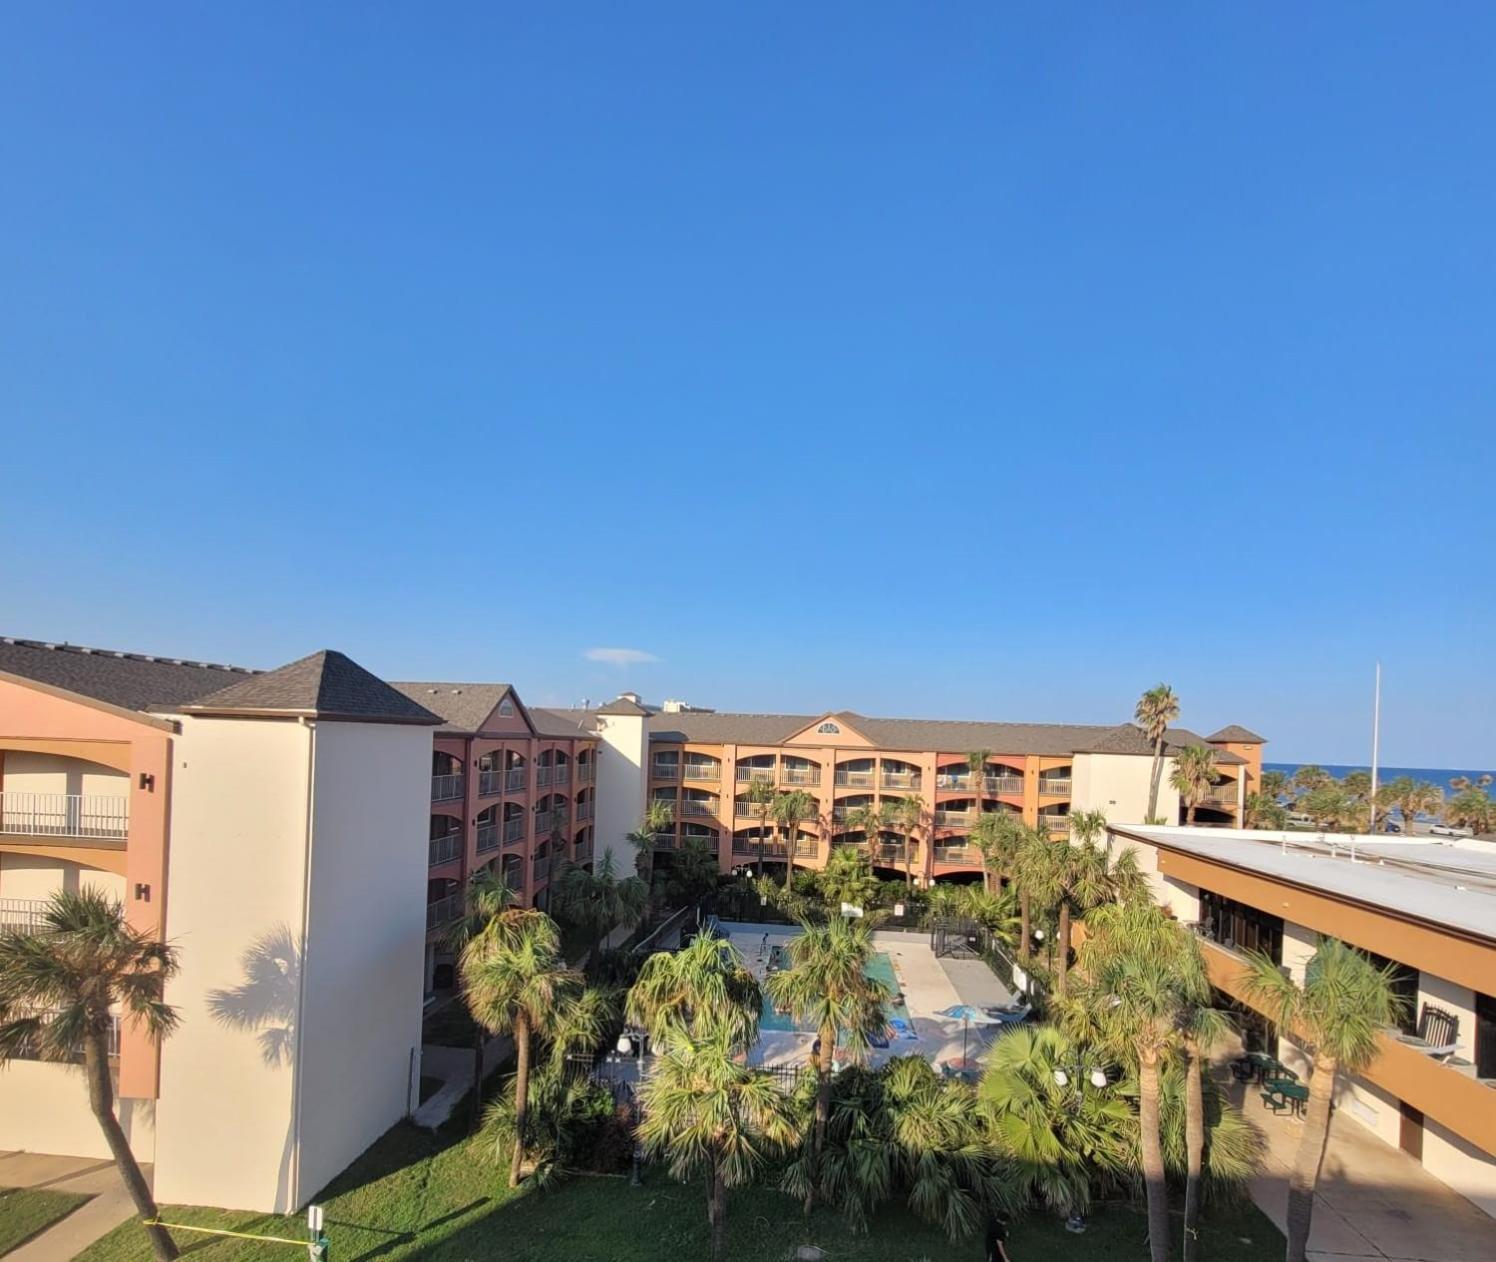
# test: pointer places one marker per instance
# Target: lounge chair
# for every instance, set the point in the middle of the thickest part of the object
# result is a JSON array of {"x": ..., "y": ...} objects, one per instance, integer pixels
[{"x": 1437, "y": 1035}]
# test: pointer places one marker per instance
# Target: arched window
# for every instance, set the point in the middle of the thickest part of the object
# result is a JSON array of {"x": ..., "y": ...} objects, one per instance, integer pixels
[{"x": 829, "y": 729}]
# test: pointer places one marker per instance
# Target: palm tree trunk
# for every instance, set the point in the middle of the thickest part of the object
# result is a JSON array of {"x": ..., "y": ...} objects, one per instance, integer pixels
[
  {"x": 1154, "y": 775},
  {"x": 1025, "y": 925},
  {"x": 823, "y": 1084},
  {"x": 475, "y": 1109},
  {"x": 1191, "y": 816},
  {"x": 1153, "y": 1159},
  {"x": 521, "y": 1095},
  {"x": 1305, "y": 1174},
  {"x": 908, "y": 865},
  {"x": 1194, "y": 1147},
  {"x": 101, "y": 1101},
  {"x": 719, "y": 1215},
  {"x": 1064, "y": 946}
]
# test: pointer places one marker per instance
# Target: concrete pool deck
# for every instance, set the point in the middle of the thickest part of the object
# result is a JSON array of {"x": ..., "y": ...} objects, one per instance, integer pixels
[{"x": 928, "y": 985}]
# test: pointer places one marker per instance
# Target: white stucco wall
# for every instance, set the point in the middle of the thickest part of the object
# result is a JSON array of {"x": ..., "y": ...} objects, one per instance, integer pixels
[
  {"x": 39, "y": 877},
  {"x": 364, "y": 951},
  {"x": 44, "y": 1108},
  {"x": 27, "y": 772},
  {"x": 1117, "y": 786},
  {"x": 1461, "y": 1165},
  {"x": 234, "y": 910},
  {"x": 621, "y": 783},
  {"x": 1453, "y": 998}
]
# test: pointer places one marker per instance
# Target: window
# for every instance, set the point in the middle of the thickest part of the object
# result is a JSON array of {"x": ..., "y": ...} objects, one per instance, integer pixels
[
  {"x": 829, "y": 729},
  {"x": 1485, "y": 1036},
  {"x": 506, "y": 707},
  {"x": 1404, "y": 989},
  {"x": 1240, "y": 927}
]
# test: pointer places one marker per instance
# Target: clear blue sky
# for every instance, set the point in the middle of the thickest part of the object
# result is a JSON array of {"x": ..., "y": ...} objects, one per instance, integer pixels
[{"x": 983, "y": 361}]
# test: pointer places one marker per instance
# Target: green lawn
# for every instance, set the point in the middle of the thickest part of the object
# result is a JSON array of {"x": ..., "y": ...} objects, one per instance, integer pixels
[
  {"x": 413, "y": 1196},
  {"x": 26, "y": 1211}
]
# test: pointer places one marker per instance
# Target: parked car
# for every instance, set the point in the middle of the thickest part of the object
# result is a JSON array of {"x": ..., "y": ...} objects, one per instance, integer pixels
[
  {"x": 1451, "y": 830},
  {"x": 1297, "y": 819}
]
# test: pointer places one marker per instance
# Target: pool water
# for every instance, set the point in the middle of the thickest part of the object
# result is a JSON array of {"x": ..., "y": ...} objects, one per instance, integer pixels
[{"x": 879, "y": 968}]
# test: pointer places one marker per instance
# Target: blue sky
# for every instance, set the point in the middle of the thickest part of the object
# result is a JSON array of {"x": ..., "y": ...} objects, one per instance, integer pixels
[{"x": 980, "y": 361}]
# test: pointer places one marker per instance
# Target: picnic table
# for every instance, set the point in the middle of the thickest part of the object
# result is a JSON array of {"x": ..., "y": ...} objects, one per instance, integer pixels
[
  {"x": 1255, "y": 1067},
  {"x": 1280, "y": 1092},
  {"x": 961, "y": 1067}
]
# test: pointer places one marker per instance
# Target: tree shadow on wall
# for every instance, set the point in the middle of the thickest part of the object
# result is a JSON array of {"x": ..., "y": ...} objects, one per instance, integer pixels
[{"x": 265, "y": 1002}]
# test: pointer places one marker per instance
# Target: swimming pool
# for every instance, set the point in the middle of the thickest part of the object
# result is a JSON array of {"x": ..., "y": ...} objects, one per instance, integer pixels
[{"x": 879, "y": 968}]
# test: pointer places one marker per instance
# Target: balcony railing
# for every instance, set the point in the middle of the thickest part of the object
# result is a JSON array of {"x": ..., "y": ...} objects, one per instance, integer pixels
[
  {"x": 543, "y": 774},
  {"x": 856, "y": 779},
  {"x": 664, "y": 841},
  {"x": 488, "y": 837},
  {"x": 64, "y": 815},
  {"x": 587, "y": 772},
  {"x": 954, "y": 819},
  {"x": 1003, "y": 784},
  {"x": 443, "y": 911},
  {"x": 514, "y": 829},
  {"x": 1055, "y": 786},
  {"x": 27, "y": 915},
  {"x": 747, "y": 775},
  {"x": 697, "y": 806},
  {"x": 957, "y": 854},
  {"x": 561, "y": 817},
  {"x": 665, "y": 770},
  {"x": 514, "y": 780},
  {"x": 584, "y": 810},
  {"x": 543, "y": 821},
  {"x": 901, "y": 779},
  {"x": 540, "y": 866},
  {"x": 562, "y": 774},
  {"x": 490, "y": 783},
  {"x": 745, "y": 810},
  {"x": 444, "y": 849},
  {"x": 1055, "y": 823},
  {"x": 1223, "y": 794},
  {"x": 893, "y": 852},
  {"x": 953, "y": 780},
  {"x": 802, "y": 775},
  {"x": 703, "y": 771},
  {"x": 445, "y": 788}
]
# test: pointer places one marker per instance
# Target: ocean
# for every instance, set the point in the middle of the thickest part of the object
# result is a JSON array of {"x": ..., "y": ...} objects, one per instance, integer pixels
[{"x": 1434, "y": 775}]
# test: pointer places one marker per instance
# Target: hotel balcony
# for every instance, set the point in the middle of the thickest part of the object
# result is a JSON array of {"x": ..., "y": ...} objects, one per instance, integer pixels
[
  {"x": 25, "y": 915},
  {"x": 747, "y": 774},
  {"x": 514, "y": 780},
  {"x": 1222, "y": 796},
  {"x": 446, "y": 788},
  {"x": 957, "y": 854},
  {"x": 856, "y": 779},
  {"x": 805, "y": 848},
  {"x": 1011, "y": 785},
  {"x": 1055, "y": 825},
  {"x": 585, "y": 811},
  {"x": 514, "y": 829},
  {"x": 444, "y": 849},
  {"x": 699, "y": 806},
  {"x": 745, "y": 810},
  {"x": 709, "y": 771},
  {"x": 587, "y": 772},
  {"x": 955, "y": 819},
  {"x": 543, "y": 822},
  {"x": 893, "y": 852},
  {"x": 664, "y": 770},
  {"x": 488, "y": 838},
  {"x": 953, "y": 780},
  {"x": 1054, "y": 786},
  {"x": 540, "y": 866},
  {"x": 900, "y": 780},
  {"x": 583, "y": 851},
  {"x": 82, "y": 815},
  {"x": 543, "y": 775},
  {"x": 561, "y": 774},
  {"x": 443, "y": 911},
  {"x": 490, "y": 783},
  {"x": 28, "y": 1050},
  {"x": 802, "y": 776}
]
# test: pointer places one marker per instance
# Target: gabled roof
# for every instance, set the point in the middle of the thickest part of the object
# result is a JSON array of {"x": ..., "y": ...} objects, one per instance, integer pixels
[
  {"x": 1128, "y": 738},
  {"x": 624, "y": 705},
  {"x": 130, "y": 681},
  {"x": 325, "y": 685},
  {"x": 462, "y": 707},
  {"x": 1237, "y": 735}
]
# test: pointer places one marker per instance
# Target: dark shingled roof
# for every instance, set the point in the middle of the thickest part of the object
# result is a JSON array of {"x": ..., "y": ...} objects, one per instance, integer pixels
[
  {"x": 131, "y": 681},
  {"x": 327, "y": 685},
  {"x": 1237, "y": 734},
  {"x": 462, "y": 707},
  {"x": 577, "y": 724},
  {"x": 622, "y": 705}
]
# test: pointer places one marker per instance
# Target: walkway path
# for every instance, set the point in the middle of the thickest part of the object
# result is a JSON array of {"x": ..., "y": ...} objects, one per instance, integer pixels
[
  {"x": 63, "y": 1241},
  {"x": 1374, "y": 1203}
]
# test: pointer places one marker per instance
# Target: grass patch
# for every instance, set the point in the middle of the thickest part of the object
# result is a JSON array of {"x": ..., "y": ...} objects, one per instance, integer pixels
[
  {"x": 441, "y": 1199},
  {"x": 25, "y": 1212}
]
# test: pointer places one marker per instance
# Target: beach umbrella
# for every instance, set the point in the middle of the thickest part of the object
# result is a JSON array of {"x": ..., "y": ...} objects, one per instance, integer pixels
[{"x": 968, "y": 1015}]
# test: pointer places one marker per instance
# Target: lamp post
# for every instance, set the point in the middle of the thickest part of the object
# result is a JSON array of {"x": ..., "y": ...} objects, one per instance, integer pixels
[
  {"x": 634, "y": 1041},
  {"x": 1081, "y": 1076}
]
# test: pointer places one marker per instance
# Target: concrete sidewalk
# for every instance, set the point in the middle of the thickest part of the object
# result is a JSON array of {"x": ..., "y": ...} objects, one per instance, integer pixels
[{"x": 110, "y": 1204}]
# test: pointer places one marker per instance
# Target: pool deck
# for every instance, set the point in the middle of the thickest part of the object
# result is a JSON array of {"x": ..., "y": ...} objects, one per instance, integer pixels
[{"x": 928, "y": 985}]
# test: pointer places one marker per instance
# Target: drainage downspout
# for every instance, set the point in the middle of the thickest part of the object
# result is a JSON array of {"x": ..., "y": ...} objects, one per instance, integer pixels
[{"x": 306, "y": 925}]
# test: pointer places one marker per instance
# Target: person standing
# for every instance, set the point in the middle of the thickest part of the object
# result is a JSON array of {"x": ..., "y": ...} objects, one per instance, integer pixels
[{"x": 997, "y": 1239}]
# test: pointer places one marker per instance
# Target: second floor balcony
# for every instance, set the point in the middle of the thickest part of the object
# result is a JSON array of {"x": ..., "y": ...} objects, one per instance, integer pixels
[
  {"x": 446, "y": 788},
  {"x": 488, "y": 837},
  {"x": 81, "y": 815},
  {"x": 699, "y": 806},
  {"x": 443, "y": 911},
  {"x": 514, "y": 780},
  {"x": 514, "y": 829},
  {"x": 1054, "y": 786},
  {"x": 490, "y": 783},
  {"x": 708, "y": 771},
  {"x": 954, "y": 819},
  {"x": 24, "y": 915},
  {"x": 1011, "y": 785},
  {"x": 444, "y": 849}
]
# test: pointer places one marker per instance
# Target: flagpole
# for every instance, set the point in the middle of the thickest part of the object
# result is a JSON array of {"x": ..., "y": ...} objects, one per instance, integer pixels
[{"x": 1376, "y": 746}]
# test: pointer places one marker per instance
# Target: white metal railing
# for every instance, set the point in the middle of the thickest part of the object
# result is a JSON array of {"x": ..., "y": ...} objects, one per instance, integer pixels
[
  {"x": 543, "y": 820},
  {"x": 584, "y": 810},
  {"x": 514, "y": 780},
  {"x": 514, "y": 829},
  {"x": 703, "y": 771},
  {"x": 587, "y": 771},
  {"x": 957, "y": 854},
  {"x": 698, "y": 806},
  {"x": 444, "y": 788},
  {"x": 543, "y": 774},
  {"x": 1223, "y": 794},
  {"x": 857, "y": 779},
  {"x": 802, "y": 775},
  {"x": 444, "y": 849},
  {"x": 746, "y": 810},
  {"x": 1003, "y": 784},
  {"x": 583, "y": 852},
  {"x": 901, "y": 779},
  {"x": 953, "y": 780},
  {"x": 665, "y": 770},
  {"x": 1055, "y": 786},
  {"x": 28, "y": 915},
  {"x": 1055, "y": 823},
  {"x": 443, "y": 911},
  {"x": 562, "y": 774},
  {"x": 541, "y": 865},
  {"x": 490, "y": 782},
  {"x": 64, "y": 815},
  {"x": 488, "y": 837},
  {"x": 954, "y": 819},
  {"x": 750, "y": 773}
]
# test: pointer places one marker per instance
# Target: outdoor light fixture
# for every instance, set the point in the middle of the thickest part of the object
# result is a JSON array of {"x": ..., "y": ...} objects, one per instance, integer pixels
[
  {"x": 1098, "y": 1078},
  {"x": 1061, "y": 1078},
  {"x": 625, "y": 1045}
]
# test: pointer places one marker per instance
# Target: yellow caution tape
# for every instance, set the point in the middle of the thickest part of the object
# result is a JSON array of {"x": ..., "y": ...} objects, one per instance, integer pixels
[{"x": 215, "y": 1231}]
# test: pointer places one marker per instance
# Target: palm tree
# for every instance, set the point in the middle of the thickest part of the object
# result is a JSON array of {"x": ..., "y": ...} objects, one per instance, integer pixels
[
  {"x": 706, "y": 1114},
  {"x": 1143, "y": 990},
  {"x": 1193, "y": 775},
  {"x": 1156, "y": 709},
  {"x": 57, "y": 988},
  {"x": 1345, "y": 1000},
  {"x": 488, "y": 896},
  {"x": 659, "y": 815},
  {"x": 1034, "y": 873},
  {"x": 904, "y": 816},
  {"x": 1411, "y": 797},
  {"x": 976, "y": 765},
  {"x": 847, "y": 877},
  {"x": 1058, "y": 1135},
  {"x": 827, "y": 986},
  {"x": 597, "y": 902},
  {"x": 1471, "y": 807},
  {"x": 789, "y": 809},
  {"x": 761, "y": 795},
  {"x": 684, "y": 996},
  {"x": 1265, "y": 811},
  {"x": 516, "y": 982},
  {"x": 1081, "y": 876},
  {"x": 1310, "y": 777},
  {"x": 997, "y": 835},
  {"x": 1331, "y": 807}
]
